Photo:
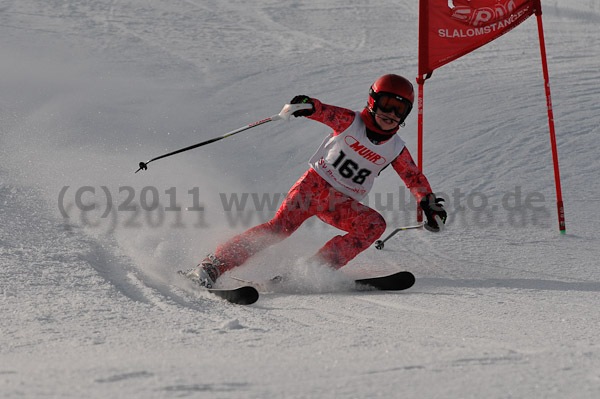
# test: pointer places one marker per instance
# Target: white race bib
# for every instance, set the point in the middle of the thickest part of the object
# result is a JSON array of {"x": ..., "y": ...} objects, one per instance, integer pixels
[{"x": 350, "y": 162}]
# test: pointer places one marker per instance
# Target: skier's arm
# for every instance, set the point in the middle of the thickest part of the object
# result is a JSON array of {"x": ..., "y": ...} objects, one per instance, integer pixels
[
  {"x": 337, "y": 118},
  {"x": 412, "y": 176},
  {"x": 417, "y": 183}
]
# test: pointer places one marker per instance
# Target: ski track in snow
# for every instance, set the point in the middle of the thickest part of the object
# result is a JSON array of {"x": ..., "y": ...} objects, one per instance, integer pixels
[{"x": 92, "y": 307}]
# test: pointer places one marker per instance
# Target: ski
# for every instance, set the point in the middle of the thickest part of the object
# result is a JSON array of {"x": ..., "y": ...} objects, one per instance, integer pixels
[
  {"x": 263, "y": 286},
  {"x": 244, "y": 295},
  {"x": 392, "y": 282}
]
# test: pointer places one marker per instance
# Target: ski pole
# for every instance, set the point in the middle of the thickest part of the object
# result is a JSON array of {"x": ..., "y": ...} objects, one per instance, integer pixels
[
  {"x": 379, "y": 244},
  {"x": 286, "y": 112}
]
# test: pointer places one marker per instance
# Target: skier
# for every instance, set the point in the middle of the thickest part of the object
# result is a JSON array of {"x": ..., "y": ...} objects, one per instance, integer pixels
[{"x": 341, "y": 173}]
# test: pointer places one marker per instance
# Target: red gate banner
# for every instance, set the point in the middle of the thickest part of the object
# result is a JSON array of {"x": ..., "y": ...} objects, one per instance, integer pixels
[{"x": 449, "y": 29}]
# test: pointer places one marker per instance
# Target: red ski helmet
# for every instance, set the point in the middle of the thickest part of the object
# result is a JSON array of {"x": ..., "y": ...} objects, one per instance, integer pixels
[{"x": 392, "y": 93}]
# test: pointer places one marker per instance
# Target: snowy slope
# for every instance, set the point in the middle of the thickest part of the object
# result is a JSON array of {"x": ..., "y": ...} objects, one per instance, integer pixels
[{"x": 503, "y": 307}]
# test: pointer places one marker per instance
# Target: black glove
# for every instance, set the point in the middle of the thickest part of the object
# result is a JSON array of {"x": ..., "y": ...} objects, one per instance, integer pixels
[
  {"x": 302, "y": 99},
  {"x": 433, "y": 207}
]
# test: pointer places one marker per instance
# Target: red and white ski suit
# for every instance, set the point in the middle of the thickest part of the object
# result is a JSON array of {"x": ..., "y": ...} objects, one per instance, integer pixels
[{"x": 321, "y": 193}]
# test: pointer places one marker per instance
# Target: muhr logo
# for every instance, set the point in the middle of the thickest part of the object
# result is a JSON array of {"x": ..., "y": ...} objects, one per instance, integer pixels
[
  {"x": 363, "y": 151},
  {"x": 481, "y": 12}
]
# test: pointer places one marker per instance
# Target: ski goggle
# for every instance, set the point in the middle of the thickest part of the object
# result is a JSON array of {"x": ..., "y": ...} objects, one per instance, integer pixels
[{"x": 398, "y": 105}]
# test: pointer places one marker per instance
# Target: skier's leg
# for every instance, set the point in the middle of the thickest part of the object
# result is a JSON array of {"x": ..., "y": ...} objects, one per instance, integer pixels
[
  {"x": 294, "y": 210},
  {"x": 363, "y": 224}
]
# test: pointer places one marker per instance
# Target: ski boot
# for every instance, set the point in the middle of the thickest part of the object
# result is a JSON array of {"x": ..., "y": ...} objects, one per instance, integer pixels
[{"x": 206, "y": 273}]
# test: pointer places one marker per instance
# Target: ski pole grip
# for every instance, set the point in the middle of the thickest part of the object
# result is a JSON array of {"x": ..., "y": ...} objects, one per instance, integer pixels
[{"x": 289, "y": 109}]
